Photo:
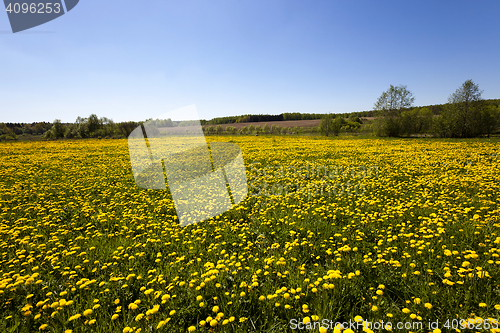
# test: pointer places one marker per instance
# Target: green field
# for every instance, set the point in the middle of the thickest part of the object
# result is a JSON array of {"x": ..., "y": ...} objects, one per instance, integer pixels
[{"x": 334, "y": 229}]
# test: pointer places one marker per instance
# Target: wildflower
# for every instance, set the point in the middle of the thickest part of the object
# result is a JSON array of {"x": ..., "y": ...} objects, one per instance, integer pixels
[{"x": 75, "y": 317}]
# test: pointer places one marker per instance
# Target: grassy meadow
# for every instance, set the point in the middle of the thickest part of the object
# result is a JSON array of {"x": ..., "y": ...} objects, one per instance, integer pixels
[{"x": 333, "y": 229}]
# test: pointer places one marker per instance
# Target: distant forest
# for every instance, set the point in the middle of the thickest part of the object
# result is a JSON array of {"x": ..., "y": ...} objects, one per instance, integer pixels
[
  {"x": 258, "y": 118},
  {"x": 417, "y": 119}
]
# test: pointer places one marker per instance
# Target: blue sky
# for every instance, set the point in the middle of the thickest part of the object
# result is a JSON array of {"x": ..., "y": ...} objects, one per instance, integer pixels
[{"x": 133, "y": 60}]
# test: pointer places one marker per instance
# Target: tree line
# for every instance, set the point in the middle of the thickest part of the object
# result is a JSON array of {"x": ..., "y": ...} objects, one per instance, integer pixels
[
  {"x": 91, "y": 127},
  {"x": 259, "y": 118},
  {"x": 102, "y": 127},
  {"x": 258, "y": 129},
  {"x": 350, "y": 124},
  {"x": 10, "y": 131},
  {"x": 466, "y": 114}
]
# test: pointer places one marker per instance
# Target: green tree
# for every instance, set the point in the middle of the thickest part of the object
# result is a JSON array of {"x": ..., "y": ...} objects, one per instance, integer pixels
[
  {"x": 82, "y": 127},
  {"x": 27, "y": 129},
  {"x": 490, "y": 118},
  {"x": 57, "y": 129},
  {"x": 465, "y": 115},
  {"x": 350, "y": 126},
  {"x": 337, "y": 125},
  {"x": 275, "y": 129},
  {"x": 5, "y": 130},
  {"x": 38, "y": 128},
  {"x": 231, "y": 129},
  {"x": 125, "y": 128},
  {"x": 390, "y": 105},
  {"x": 48, "y": 134},
  {"x": 416, "y": 121},
  {"x": 326, "y": 125},
  {"x": 354, "y": 118},
  {"x": 466, "y": 109},
  {"x": 266, "y": 129},
  {"x": 108, "y": 127},
  {"x": 71, "y": 132},
  {"x": 93, "y": 124}
]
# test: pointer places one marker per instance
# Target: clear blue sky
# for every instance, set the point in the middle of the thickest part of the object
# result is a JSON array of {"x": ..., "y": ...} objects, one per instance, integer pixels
[{"x": 132, "y": 60}]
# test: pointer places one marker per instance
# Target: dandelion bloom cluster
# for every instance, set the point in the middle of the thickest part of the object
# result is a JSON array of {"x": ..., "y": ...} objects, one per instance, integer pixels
[{"x": 83, "y": 249}]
